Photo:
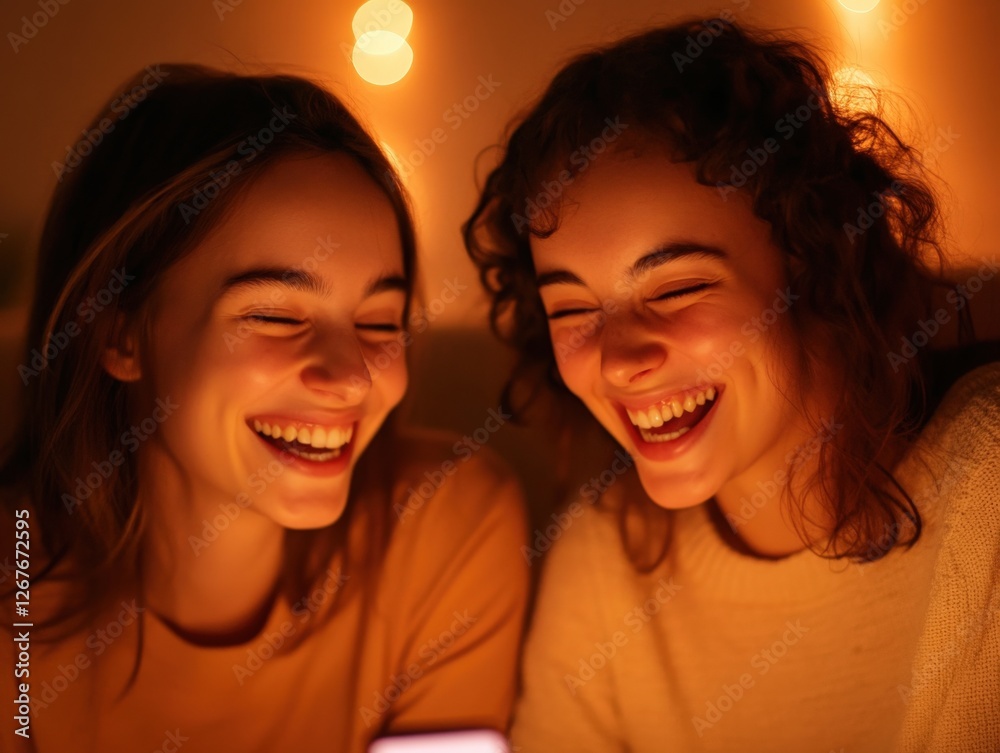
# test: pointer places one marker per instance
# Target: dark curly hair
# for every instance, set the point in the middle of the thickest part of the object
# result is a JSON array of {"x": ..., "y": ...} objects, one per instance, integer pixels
[{"x": 846, "y": 200}]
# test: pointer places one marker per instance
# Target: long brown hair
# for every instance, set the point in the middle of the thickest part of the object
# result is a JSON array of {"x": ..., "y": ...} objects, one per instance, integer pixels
[
  {"x": 153, "y": 174},
  {"x": 713, "y": 92}
]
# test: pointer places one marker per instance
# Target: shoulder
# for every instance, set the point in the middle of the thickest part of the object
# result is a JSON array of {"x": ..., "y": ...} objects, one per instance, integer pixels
[
  {"x": 977, "y": 389},
  {"x": 966, "y": 424},
  {"x": 960, "y": 468}
]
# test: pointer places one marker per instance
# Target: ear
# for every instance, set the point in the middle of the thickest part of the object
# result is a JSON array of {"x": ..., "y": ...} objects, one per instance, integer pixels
[{"x": 121, "y": 356}]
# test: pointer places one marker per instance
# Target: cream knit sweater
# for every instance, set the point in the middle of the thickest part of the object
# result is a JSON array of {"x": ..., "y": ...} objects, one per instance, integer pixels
[{"x": 717, "y": 651}]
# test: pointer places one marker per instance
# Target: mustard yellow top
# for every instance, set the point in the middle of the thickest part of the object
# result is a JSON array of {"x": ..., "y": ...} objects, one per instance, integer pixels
[{"x": 434, "y": 645}]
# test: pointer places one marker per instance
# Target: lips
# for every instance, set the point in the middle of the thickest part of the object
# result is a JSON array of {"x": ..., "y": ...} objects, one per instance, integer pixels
[
  {"x": 318, "y": 448},
  {"x": 670, "y": 408},
  {"x": 674, "y": 434},
  {"x": 315, "y": 441}
]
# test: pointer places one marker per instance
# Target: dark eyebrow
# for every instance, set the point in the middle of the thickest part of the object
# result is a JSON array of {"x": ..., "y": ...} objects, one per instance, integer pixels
[
  {"x": 299, "y": 279},
  {"x": 387, "y": 283},
  {"x": 259, "y": 277},
  {"x": 643, "y": 266},
  {"x": 671, "y": 252},
  {"x": 557, "y": 277}
]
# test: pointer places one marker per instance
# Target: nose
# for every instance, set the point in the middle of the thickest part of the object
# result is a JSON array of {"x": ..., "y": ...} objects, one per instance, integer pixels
[
  {"x": 629, "y": 354},
  {"x": 336, "y": 369}
]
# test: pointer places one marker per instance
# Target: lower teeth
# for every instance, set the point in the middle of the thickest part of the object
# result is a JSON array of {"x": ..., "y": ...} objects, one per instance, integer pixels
[
  {"x": 318, "y": 457},
  {"x": 650, "y": 437}
]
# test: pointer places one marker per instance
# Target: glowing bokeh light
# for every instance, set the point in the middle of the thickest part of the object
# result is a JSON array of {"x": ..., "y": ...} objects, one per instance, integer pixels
[
  {"x": 381, "y": 54},
  {"x": 382, "y": 68},
  {"x": 379, "y": 42},
  {"x": 383, "y": 15},
  {"x": 859, "y": 6}
]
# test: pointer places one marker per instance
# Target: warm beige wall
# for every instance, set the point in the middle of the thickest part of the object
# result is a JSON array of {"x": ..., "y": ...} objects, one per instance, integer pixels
[{"x": 943, "y": 56}]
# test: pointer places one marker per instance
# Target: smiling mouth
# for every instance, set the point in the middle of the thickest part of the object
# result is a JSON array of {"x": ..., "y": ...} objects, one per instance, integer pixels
[
  {"x": 317, "y": 444},
  {"x": 671, "y": 419}
]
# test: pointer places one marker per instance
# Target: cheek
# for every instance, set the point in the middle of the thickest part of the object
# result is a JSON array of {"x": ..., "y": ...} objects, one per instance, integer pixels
[
  {"x": 185, "y": 354},
  {"x": 721, "y": 336},
  {"x": 397, "y": 387},
  {"x": 389, "y": 373},
  {"x": 577, "y": 354}
]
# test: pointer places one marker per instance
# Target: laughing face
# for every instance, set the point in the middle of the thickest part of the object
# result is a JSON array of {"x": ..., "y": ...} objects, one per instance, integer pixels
[
  {"x": 668, "y": 313},
  {"x": 271, "y": 338}
]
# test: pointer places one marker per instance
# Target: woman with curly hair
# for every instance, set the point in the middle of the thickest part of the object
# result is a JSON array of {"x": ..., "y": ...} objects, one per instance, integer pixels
[
  {"x": 738, "y": 280},
  {"x": 231, "y": 543}
]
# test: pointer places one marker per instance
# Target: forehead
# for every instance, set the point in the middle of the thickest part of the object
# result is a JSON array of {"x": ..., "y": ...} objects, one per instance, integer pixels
[
  {"x": 323, "y": 207},
  {"x": 628, "y": 204}
]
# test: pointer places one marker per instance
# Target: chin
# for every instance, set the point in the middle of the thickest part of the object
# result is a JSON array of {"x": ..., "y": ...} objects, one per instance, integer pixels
[
  {"x": 309, "y": 513},
  {"x": 671, "y": 494}
]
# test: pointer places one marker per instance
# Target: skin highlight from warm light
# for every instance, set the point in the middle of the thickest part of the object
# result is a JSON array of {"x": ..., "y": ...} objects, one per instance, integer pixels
[
  {"x": 264, "y": 335},
  {"x": 647, "y": 280}
]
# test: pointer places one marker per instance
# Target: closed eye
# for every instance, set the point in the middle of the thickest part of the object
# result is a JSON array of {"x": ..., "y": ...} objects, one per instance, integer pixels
[
  {"x": 569, "y": 312},
  {"x": 683, "y": 291},
  {"x": 386, "y": 327},
  {"x": 265, "y": 319}
]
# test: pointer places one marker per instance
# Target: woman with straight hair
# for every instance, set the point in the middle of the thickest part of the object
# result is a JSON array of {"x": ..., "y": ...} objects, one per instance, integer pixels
[
  {"x": 231, "y": 545},
  {"x": 793, "y": 543}
]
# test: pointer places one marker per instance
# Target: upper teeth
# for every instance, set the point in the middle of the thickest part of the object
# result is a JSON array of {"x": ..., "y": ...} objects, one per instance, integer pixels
[
  {"x": 320, "y": 437},
  {"x": 657, "y": 415}
]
